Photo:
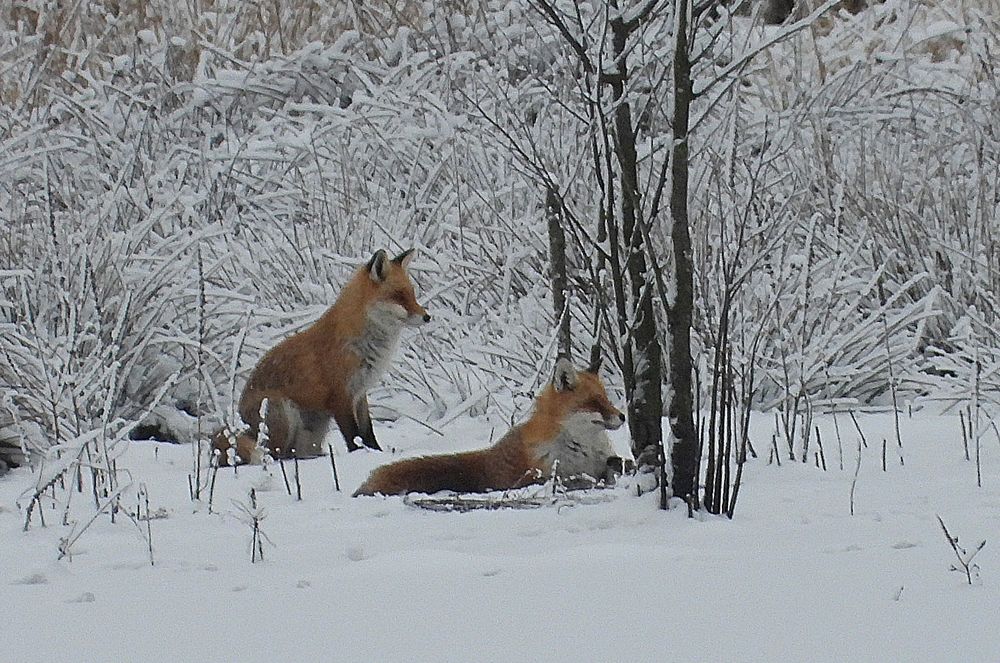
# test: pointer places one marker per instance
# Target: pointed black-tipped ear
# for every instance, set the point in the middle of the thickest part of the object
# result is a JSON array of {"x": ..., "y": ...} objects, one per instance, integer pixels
[
  {"x": 377, "y": 266},
  {"x": 405, "y": 257},
  {"x": 595, "y": 359},
  {"x": 595, "y": 349},
  {"x": 564, "y": 376}
]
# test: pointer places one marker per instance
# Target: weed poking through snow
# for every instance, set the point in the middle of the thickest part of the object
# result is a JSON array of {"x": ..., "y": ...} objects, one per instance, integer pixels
[{"x": 965, "y": 563}]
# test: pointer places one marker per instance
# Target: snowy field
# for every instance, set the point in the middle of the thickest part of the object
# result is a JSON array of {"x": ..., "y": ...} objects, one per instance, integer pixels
[
  {"x": 182, "y": 185},
  {"x": 603, "y": 576}
]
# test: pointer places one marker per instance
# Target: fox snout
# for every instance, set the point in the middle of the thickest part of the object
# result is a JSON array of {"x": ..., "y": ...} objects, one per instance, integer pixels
[
  {"x": 417, "y": 318},
  {"x": 614, "y": 421}
]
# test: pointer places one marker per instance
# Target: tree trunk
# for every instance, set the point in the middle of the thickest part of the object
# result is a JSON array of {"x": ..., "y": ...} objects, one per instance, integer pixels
[
  {"x": 684, "y": 453},
  {"x": 557, "y": 267},
  {"x": 645, "y": 403}
]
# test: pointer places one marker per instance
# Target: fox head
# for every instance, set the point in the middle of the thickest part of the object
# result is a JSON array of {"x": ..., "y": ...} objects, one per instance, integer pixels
[
  {"x": 393, "y": 289},
  {"x": 574, "y": 392}
]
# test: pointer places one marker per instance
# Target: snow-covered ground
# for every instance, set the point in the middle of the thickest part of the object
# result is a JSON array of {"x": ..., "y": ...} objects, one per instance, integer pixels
[{"x": 794, "y": 577}]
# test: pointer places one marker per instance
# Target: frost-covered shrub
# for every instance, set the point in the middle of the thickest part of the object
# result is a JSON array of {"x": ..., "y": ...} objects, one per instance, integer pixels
[
  {"x": 861, "y": 157},
  {"x": 182, "y": 190}
]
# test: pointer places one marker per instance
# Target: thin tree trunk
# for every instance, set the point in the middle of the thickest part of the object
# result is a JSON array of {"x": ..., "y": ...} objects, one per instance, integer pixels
[
  {"x": 557, "y": 265},
  {"x": 645, "y": 406},
  {"x": 685, "y": 443}
]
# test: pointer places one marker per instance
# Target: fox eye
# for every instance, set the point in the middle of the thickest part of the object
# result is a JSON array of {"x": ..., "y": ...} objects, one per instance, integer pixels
[{"x": 399, "y": 298}]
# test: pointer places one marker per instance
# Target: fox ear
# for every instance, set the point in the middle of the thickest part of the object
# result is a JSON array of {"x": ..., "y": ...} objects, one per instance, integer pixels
[
  {"x": 564, "y": 377},
  {"x": 377, "y": 266},
  {"x": 595, "y": 359},
  {"x": 404, "y": 258}
]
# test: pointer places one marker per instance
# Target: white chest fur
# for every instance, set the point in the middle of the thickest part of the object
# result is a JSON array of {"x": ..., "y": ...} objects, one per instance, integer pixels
[
  {"x": 376, "y": 345},
  {"x": 581, "y": 447}
]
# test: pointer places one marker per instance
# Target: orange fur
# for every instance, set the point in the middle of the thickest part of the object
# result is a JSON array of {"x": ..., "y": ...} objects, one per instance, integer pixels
[
  {"x": 324, "y": 371},
  {"x": 523, "y": 456}
]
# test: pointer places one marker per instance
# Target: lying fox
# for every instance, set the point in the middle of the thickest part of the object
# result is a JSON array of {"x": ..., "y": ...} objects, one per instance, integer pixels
[
  {"x": 568, "y": 425},
  {"x": 326, "y": 370}
]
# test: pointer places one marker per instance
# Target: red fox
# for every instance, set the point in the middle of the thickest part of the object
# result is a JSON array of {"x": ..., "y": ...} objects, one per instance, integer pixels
[
  {"x": 326, "y": 370},
  {"x": 567, "y": 426}
]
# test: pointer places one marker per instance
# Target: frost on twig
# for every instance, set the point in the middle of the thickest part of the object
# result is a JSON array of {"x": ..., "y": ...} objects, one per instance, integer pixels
[{"x": 252, "y": 514}]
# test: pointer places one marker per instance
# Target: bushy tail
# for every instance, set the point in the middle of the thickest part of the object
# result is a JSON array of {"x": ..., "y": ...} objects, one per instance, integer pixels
[{"x": 462, "y": 472}]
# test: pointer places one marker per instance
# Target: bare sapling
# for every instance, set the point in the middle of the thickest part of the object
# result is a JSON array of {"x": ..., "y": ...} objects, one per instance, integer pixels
[
  {"x": 143, "y": 494},
  {"x": 196, "y": 493},
  {"x": 965, "y": 564},
  {"x": 976, "y": 429},
  {"x": 252, "y": 515},
  {"x": 854, "y": 481},
  {"x": 730, "y": 404}
]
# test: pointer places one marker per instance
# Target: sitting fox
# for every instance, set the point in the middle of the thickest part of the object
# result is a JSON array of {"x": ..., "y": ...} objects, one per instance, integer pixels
[
  {"x": 326, "y": 370},
  {"x": 567, "y": 426}
]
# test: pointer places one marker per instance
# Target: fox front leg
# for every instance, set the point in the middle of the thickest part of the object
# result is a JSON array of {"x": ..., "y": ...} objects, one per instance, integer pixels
[
  {"x": 348, "y": 428},
  {"x": 364, "y": 419},
  {"x": 357, "y": 424}
]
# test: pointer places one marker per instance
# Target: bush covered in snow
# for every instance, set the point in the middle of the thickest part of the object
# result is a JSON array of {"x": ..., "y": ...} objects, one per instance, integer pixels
[{"x": 179, "y": 190}]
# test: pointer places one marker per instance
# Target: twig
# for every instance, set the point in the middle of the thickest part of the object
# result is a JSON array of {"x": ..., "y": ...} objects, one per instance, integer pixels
[
  {"x": 840, "y": 445},
  {"x": 298, "y": 483},
  {"x": 857, "y": 426},
  {"x": 854, "y": 481},
  {"x": 333, "y": 466},
  {"x": 822, "y": 453},
  {"x": 284, "y": 475},
  {"x": 964, "y": 557},
  {"x": 149, "y": 519},
  {"x": 67, "y": 542},
  {"x": 211, "y": 486},
  {"x": 976, "y": 430},
  {"x": 965, "y": 436}
]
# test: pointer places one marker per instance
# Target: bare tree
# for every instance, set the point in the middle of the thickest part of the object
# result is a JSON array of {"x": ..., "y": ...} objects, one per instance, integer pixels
[
  {"x": 642, "y": 242},
  {"x": 684, "y": 455},
  {"x": 619, "y": 242}
]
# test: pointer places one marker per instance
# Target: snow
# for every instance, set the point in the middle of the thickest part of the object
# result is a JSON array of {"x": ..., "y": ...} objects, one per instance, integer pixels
[
  {"x": 168, "y": 225},
  {"x": 792, "y": 577}
]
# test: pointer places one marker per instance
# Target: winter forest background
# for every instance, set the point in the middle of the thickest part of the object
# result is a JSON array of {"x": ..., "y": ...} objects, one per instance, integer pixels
[{"x": 183, "y": 184}]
